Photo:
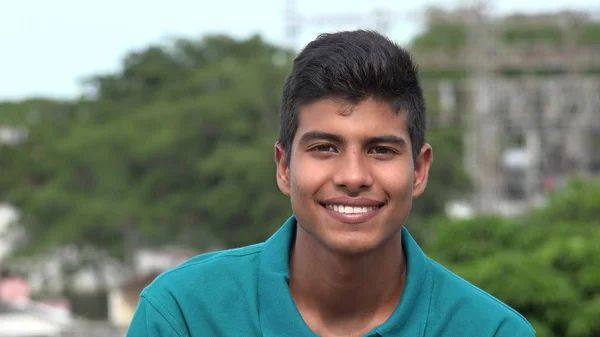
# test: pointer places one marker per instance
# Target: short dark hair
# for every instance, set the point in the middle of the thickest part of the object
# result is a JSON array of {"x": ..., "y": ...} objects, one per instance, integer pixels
[{"x": 353, "y": 66}]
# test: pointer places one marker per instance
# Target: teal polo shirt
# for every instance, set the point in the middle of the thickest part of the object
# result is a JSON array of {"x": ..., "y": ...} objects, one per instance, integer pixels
[{"x": 244, "y": 292}]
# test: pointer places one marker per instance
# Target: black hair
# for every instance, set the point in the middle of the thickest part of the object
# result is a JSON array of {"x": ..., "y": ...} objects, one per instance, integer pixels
[{"x": 353, "y": 66}]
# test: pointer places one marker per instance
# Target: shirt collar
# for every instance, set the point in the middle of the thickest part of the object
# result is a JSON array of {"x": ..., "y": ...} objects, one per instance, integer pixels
[{"x": 279, "y": 315}]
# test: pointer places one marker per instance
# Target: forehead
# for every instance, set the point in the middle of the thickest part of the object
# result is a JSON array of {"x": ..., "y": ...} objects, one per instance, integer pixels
[{"x": 367, "y": 118}]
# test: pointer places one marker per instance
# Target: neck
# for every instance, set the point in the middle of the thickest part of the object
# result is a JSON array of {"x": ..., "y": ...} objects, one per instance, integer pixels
[{"x": 355, "y": 292}]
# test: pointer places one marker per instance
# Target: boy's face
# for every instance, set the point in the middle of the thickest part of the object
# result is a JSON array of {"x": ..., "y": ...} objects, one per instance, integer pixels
[{"x": 351, "y": 178}]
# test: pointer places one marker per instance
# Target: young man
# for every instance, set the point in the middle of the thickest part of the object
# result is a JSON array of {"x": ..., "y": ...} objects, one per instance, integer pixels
[{"x": 351, "y": 156}]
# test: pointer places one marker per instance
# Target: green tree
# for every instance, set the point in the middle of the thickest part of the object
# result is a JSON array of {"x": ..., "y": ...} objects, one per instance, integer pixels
[
  {"x": 172, "y": 149},
  {"x": 545, "y": 264},
  {"x": 446, "y": 36}
]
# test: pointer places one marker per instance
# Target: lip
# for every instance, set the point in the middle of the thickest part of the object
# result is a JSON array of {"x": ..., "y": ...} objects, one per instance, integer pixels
[{"x": 355, "y": 202}]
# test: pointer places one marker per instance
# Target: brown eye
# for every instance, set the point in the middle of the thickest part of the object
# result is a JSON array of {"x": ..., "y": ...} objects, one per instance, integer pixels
[
  {"x": 382, "y": 150},
  {"x": 323, "y": 148}
]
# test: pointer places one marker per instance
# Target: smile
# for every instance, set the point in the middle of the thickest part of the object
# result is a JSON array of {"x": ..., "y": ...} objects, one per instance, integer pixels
[{"x": 351, "y": 209}]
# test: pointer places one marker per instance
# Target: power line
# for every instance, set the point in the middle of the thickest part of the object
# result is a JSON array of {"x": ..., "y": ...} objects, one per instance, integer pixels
[{"x": 380, "y": 19}]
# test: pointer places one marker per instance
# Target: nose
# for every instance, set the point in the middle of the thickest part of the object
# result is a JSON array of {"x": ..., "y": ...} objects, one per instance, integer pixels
[{"x": 353, "y": 172}]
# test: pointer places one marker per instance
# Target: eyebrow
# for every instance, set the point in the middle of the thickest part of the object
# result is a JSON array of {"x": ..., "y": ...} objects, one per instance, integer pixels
[{"x": 319, "y": 135}]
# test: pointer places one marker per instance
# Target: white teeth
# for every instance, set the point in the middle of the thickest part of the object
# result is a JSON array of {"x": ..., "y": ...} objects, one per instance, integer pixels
[{"x": 349, "y": 209}]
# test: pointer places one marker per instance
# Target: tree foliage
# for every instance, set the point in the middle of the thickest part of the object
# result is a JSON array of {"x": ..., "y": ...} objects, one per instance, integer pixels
[
  {"x": 453, "y": 36},
  {"x": 546, "y": 265},
  {"x": 174, "y": 148}
]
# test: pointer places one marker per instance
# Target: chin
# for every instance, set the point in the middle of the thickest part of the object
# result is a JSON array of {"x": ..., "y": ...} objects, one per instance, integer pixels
[
  {"x": 348, "y": 239},
  {"x": 353, "y": 245}
]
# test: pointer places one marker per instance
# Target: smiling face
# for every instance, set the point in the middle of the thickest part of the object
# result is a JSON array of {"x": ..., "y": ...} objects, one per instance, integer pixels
[{"x": 351, "y": 178}]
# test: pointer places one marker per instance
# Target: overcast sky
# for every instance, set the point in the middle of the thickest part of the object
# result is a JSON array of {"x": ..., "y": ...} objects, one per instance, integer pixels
[{"x": 48, "y": 46}]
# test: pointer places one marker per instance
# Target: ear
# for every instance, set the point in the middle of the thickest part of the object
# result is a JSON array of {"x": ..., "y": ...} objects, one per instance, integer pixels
[
  {"x": 422, "y": 166},
  {"x": 283, "y": 169}
]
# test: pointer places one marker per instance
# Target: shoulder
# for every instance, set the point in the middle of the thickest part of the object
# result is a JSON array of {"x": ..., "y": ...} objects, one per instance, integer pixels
[
  {"x": 458, "y": 304},
  {"x": 206, "y": 282},
  {"x": 208, "y": 271},
  {"x": 191, "y": 298}
]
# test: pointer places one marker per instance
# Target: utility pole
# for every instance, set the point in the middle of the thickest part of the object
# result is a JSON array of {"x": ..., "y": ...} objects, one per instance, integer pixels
[
  {"x": 292, "y": 23},
  {"x": 381, "y": 20},
  {"x": 482, "y": 145}
]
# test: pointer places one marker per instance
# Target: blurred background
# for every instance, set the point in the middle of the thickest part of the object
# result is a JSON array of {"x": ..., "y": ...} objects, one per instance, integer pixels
[{"x": 135, "y": 135}]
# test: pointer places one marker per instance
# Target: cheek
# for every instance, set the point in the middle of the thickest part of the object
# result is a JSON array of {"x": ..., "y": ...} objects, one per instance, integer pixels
[
  {"x": 306, "y": 179},
  {"x": 397, "y": 181}
]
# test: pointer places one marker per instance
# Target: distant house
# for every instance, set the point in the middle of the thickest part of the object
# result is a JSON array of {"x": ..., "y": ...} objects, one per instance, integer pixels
[
  {"x": 13, "y": 288},
  {"x": 22, "y": 317},
  {"x": 31, "y": 321},
  {"x": 10, "y": 135},
  {"x": 9, "y": 235},
  {"x": 18, "y": 323},
  {"x": 148, "y": 264},
  {"x": 123, "y": 300},
  {"x": 94, "y": 270}
]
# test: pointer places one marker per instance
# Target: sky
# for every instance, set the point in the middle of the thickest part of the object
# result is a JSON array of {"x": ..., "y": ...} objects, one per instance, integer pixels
[{"x": 48, "y": 47}]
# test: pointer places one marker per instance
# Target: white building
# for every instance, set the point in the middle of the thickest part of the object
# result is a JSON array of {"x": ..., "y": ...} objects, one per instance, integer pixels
[{"x": 8, "y": 234}]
